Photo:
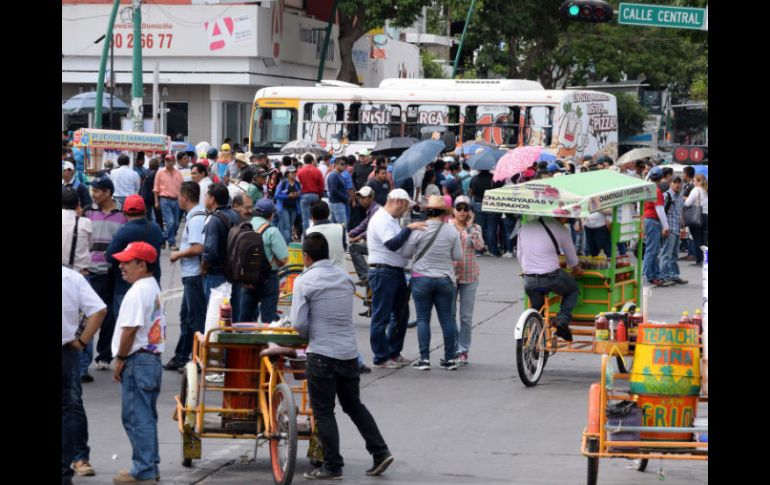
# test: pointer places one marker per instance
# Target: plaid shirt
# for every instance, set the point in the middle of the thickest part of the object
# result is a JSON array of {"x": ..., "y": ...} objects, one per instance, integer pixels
[
  {"x": 467, "y": 269},
  {"x": 674, "y": 213}
]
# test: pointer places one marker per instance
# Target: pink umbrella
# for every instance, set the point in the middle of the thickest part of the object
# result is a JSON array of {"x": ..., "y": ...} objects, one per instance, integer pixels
[{"x": 516, "y": 161}]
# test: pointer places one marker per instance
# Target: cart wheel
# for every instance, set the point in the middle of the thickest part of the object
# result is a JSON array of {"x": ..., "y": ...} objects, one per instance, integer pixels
[
  {"x": 641, "y": 464},
  {"x": 283, "y": 449},
  {"x": 189, "y": 396},
  {"x": 530, "y": 350},
  {"x": 593, "y": 462}
]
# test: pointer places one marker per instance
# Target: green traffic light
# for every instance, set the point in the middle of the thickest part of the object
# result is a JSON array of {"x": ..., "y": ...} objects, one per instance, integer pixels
[{"x": 574, "y": 10}]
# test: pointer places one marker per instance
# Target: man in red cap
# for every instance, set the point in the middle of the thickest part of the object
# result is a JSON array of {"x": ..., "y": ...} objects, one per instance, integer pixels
[{"x": 137, "y": 346}]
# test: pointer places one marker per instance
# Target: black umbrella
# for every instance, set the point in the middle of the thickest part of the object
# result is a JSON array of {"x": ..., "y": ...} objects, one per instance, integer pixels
[{"x": 393, "y": 146}]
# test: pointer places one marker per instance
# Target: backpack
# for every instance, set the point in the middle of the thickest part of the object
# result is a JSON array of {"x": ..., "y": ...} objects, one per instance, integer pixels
[{"x": 245, "y": 261}]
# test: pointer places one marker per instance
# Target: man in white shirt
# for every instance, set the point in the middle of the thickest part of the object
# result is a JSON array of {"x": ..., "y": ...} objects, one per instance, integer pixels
[
  {"x": 387, "y": 280},
  {"x": 199, "y": 174},
  {"x": 76, "y": 296},
  {"x": 137, "y": 348},
  {"x": 74, "y": 229},
  {"x": 125, "y": 179}
]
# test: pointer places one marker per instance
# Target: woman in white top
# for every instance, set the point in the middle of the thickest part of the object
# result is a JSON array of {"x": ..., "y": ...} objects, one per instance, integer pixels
[{"x": 699, "y": 196}]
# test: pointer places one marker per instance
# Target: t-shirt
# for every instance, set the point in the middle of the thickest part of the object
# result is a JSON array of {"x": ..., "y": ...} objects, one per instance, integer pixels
[
  {"x": 649, "y": 207},
  {"x": 192, "y": 234},
  {"x": 382, "y": 228},
  {"x": 311, "y": 179},
  {"x": 480, "y": 184},
  {"x": 76, "y": 296},
  {"x": 361, "y": 174},
  {"x": 126, "y": 181},
  {"x": 272, "y": 240},
  {"x": 336, "y": 238},
  {"x": 142, "y": 308},
  {"x": 381, "y": 190}
]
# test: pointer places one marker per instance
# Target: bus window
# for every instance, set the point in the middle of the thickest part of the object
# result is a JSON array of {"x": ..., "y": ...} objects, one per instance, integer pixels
[
  {"x": 539, "y": 127},
  {"x": 373, "y": 122},
  {"x": 421, "y": 118},
  {"x": 323, "y": 122},
  {"x": 494, "y": 124},
  {"x": 273, "y": 127}
]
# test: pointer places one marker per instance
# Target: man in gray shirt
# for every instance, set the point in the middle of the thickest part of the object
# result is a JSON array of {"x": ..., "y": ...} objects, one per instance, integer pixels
[{"x": 322, "y": 312}]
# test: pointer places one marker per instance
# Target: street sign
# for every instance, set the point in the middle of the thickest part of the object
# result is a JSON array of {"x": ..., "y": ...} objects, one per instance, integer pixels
[{"x": 663, "y": 16}]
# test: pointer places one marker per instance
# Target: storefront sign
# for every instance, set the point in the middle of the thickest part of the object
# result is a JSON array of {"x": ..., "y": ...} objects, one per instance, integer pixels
[{"x": 124, "y": 140}]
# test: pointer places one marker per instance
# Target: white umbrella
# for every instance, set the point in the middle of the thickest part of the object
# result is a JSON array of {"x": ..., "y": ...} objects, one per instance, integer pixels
[
  {"x": 86, "y": 103},
  {"x": 638, "y": 154},
  {"x": 303, "y": 146}
]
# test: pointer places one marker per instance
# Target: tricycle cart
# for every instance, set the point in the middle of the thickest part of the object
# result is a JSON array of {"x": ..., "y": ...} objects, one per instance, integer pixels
[
  {"x": 97, "y": 144},
  {"x": 607, "y": 283},
  {"x": 264, "y": 381},
  {"x": 602, "y": 439}
]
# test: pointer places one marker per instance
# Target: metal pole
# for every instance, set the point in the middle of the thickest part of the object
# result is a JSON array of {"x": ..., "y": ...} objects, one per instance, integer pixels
[
  {"x": 156, "y": 99},
  {"x": 326, "y": 42},
  {"x": 112, "y": 79},
  {"x": 102, "y": 67},
  {"x": 137, "y": 88},
  {"x": 462, "y": 38}
]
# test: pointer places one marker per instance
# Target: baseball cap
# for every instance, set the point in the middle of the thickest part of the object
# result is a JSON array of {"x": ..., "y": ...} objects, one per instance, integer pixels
[
  {"x": 225, "y": 147},
  {"x": 265, "y": 206},
  {"x": 137, "y": 250},
  {"x": 399, "y": 194},
  {"x": 656, "y": 173},
  {"x": 103, "y": 183},
  {"x": 290, "y": 168},
  {"x": 528, "y": 174},
  {"x": 366, "y": 191},
  {"x": 263, "y": 173},
  {"x": 212, "y": 153},
  {"x": 462, "y": 199},
  {"x": 67, "y": 166},
  {"x": 134, "y": 204},
  {"x": 365, "y": 152}
]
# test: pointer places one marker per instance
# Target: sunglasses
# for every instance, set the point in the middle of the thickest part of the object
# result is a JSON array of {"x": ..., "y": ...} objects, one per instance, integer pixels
[{"x": 463, "y": 208}]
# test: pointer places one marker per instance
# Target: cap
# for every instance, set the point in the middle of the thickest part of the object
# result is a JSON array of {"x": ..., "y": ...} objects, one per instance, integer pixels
[
  {"x": 399, "y": 194},
  {"x": 169, "y": 158},
  {"x": 265, "y": 206},
  {"x": 656, "y": 173},
  {"x": 67, "y": 166},
  {"x": 134, "y": 204},
  {"x": 365, "y": 152},
  {"x": 462, "y": 199},
  {"x": 103, "y": 183},
  {"x": 291, "y": 168},
  {"x": 366, "y": 191},
  {"x": 241, "y": 157},
  {"x": 553, "y": 167},
  {"x": 225, "y": 147},
  {"x": 137, "y": 250},
  {"x": 212, "y": 153},
  {"x": 262, "y": 173},
  {"x": 528, "y": 174}
]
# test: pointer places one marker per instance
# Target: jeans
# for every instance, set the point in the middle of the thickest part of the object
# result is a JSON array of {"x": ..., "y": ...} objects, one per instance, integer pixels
[
  {"x": 597, "y": 240},
  {"x": 261, "y": 300},
  {"x": 85, "y": 358},
  {"x": 339, "y": 213},
  {"x": 212, "y": 281},
  {"x": 139, "y": 389},
  {"x": 103, "y": 286},
  {"x": 561, "y": 283},
  {"x": 69, "y": 373},
  {"x": 652, "y": 235},
  {"x": 192, "y": 316},
  {"x": 508, "y": 224},
  {"x": 669, "y": 254},
  {"x": 466, "y": 292},
  {"x": 327, "y": 378},
  {"x": 388, "y": 324},
  {"x": 358, "y": 253},
  {"x": 170, "y": 210},
  {"x": 699, "y": 237},
  {"x": 438, "y": 292},
  {"x": 79, "y": 422},
  {"x": 286, "y": 218},
  {"x": 304, "y": 208},
  {"x": 488, "y": 222}
]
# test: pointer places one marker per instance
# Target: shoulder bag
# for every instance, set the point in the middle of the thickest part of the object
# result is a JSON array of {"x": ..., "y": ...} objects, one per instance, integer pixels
[{"x": 693, "y": 215}]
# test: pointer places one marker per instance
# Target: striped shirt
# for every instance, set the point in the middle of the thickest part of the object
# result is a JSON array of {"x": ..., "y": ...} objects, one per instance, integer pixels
[{"x": 104, "y": 226}]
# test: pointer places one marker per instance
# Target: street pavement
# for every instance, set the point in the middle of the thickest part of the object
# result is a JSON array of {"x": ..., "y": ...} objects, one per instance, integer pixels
[{"x": 476, "y": 425}]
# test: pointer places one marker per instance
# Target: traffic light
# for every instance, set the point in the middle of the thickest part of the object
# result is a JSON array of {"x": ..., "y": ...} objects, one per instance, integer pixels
[{"x": 591, "y": 11}]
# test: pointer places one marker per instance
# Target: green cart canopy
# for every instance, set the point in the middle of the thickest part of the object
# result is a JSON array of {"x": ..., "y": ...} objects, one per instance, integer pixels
[{"x": 569, "y": 195}]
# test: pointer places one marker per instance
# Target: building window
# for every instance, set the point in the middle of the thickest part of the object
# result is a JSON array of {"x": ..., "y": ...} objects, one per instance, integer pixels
[
  {"x": 424, "y": 119},
  {"x": 498, "y": 125},
  {"x": 539, "y": 126},
  {"x": 373, "y": 122},
  {"x": 177, "y": 121},
  {"x": 323, "y": 122}
]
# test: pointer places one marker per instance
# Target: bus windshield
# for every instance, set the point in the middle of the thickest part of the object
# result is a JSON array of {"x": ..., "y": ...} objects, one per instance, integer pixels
[{"x": 272, "y": 128}]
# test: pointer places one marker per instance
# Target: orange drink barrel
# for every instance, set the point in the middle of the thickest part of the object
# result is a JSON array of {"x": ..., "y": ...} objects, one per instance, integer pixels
[
  {"x": 246, "y": 357},
  {"x": 666, "y": 360},
  {"x": 668, "y": 411}
]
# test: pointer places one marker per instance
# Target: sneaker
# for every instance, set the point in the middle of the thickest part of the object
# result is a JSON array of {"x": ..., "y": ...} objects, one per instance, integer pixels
[
  {"x": 322, "y": 473},
  {"x": 508, "y": 255},
  {"x": 174, "y": 364},
  {"x": 364, "y": 369},
  {"x": 448, "y": 364},
  {"x": 125, "y": 477},
  {"x": 564, "y": 332},
  {"x": 86, "y": 378},
  {"x": 83, "y": 468},
  {"x": 401, "y": 360},
  {"x": 380, "y": 466},
  {"x": 679, "y": 281},
  {"x": 366, "y": 313},
  {"x": 668, "y": 283},
  {"x": 102, "y": 365},
  {"x": 463, "y": 359},
  {"x": 215, "y": 378},
  {"x": 420, "y": 365},
  {"x": 388, "y": 364}
]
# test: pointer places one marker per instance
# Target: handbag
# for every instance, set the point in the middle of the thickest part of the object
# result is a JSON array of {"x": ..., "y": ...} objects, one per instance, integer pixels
[{"x": 693, "y": 215}]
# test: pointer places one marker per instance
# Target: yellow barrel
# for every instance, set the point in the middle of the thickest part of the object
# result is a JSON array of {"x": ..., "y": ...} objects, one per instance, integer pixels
[
  {"x": 295, "y": 254},
  {"x": 666, "y": 360}
]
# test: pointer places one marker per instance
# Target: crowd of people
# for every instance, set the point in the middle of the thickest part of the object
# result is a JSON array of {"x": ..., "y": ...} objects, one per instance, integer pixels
[{"x": 116, "y": 226}]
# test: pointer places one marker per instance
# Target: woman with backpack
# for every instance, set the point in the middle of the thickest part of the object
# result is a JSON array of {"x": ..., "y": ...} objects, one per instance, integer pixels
[{"x": 287, "y": 202}]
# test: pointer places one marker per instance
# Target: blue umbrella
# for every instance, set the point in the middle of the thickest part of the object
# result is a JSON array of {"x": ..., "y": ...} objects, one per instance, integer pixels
[
  {"x": 702, "y": 169},
  {"x": 546, "y": 157},
  {"x": 485, "y": 160},
  {"x": 416, "y": 157},
  {"x": 86, "y": 103}
]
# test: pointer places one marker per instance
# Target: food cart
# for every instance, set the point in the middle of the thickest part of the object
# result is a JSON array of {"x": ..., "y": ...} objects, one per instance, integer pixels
[
  {"x": 100, "y": 145},
  {"x": 614, "y": 282}
]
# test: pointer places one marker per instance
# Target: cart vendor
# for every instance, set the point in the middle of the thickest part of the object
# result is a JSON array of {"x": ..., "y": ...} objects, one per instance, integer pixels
[{"x": 538, "y": 254}]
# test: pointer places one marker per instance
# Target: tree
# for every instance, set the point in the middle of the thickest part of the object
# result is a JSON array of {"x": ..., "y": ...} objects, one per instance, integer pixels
[
  {"x": 631, "y": 115},
  {"x": 357, "y": 17},
  {"x": 430, "y": 70}
]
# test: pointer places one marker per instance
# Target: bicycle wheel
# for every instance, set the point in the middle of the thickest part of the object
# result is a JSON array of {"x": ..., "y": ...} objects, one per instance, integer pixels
[
  {"x": 530, "y": 350},
  {"x": 189, "y": 397},
  {"x": 283, "y": 448},
  {"x": 641, "y": 464}
]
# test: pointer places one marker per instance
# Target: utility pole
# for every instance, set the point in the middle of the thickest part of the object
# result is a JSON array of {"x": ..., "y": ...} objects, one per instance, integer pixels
[
  {"x": 156, "y": 99},
  {"x": 102, "y": 67},
  {"x": 462, "y": 38},
  {"x": 137, "y": 87},
  {"x": 112, "y": 80},
  {"x": 326, "y": 42}
]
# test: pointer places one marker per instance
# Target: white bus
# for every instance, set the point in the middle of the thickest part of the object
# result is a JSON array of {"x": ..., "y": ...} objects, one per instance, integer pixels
[{"x": 345, "y": 118}]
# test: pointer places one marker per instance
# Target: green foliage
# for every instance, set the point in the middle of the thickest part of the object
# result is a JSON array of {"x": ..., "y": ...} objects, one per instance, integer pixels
[
  {"x": 430, "y": 70},
  {"x": 631, "y": 115}
]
